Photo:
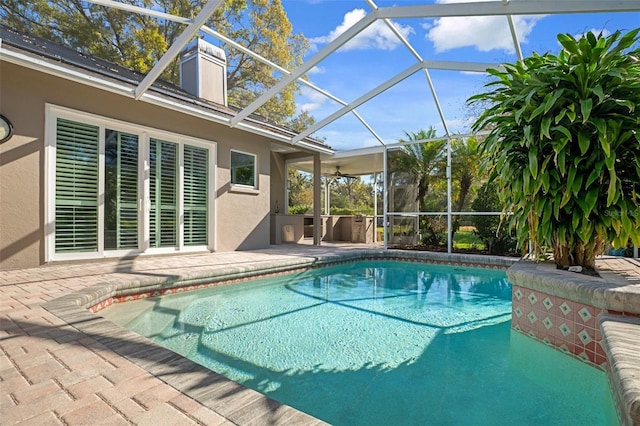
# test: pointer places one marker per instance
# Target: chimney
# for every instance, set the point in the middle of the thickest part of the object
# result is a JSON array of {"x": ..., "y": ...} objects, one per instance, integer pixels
[{"x": 203, "y": 71}]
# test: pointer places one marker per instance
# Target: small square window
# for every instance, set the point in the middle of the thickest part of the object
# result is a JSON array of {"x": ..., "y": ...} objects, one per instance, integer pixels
[{"x": 243, "y": 169}]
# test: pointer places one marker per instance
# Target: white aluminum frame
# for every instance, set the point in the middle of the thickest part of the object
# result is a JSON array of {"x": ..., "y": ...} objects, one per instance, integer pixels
[{"x": 386, "y": 14}]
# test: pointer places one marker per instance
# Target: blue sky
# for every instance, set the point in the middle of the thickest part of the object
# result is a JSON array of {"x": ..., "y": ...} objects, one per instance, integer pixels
[{"x": 376, "y": 55}]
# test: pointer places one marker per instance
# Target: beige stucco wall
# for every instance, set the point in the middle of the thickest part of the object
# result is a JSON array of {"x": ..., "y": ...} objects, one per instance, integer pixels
[{"x": 242, "y": 218}]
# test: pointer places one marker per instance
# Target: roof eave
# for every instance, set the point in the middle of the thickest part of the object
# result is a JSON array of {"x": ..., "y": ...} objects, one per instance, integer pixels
[{"x": 18, "y": 58}]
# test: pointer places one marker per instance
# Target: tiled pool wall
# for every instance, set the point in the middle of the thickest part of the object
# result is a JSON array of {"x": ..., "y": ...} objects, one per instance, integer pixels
[
  {"x": 439, "y": 259},
  {"x": 593, "y": 319},
  {"x": 564, "y": 324},
  {"x": 562, "y": 316}
]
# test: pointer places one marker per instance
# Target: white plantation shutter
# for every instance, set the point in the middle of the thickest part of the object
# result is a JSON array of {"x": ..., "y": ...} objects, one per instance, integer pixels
[
  {"x": 195, "y": 195},
  {"x": 163, "y": 184},
  {"x": 76, "y": 208},
  {"x": 121, "y": 187}
]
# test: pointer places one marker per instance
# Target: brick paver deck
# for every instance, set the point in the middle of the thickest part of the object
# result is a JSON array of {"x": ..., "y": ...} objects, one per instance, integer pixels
[{"x": 51, "y": 373}]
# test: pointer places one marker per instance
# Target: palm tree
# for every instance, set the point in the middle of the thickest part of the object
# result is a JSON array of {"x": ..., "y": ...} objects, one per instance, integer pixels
[
  {"x": 423, "y": 162},
  {"x": 465, "y": 166}
]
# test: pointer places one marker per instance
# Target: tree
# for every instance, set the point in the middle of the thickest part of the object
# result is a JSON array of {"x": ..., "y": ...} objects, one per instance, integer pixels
[
  {"x": 351, "y": 196},
  {"x": 423, "y": 162},
  {"x": 138, "y": 42},
  {"x": 465, "y": 165},
  {"x": 564, "y": 145},
  {"x": 300, "y": 187},
  {"x": 489, "y": 229}
]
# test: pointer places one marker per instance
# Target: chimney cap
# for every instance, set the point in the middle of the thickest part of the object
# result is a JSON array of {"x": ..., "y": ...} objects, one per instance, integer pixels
[{"x": 204, "y": 47}]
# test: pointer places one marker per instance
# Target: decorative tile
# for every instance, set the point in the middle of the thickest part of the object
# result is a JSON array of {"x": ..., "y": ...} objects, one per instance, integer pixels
[
  {"x": 585, "y": 337},
  {"x": 564, "y": 348},
  {"x": 565, "y": 308},
  {"x": 547, "y": 323},
  {"x": 547, "y": 303},
  {"x": 547, "y": 341},
  {"x": 565, "y": 329},
  {"x": 518, "y": 294},
  {"x": 518, "y": 311},
  {"x": 532, "y": 298},
  {"x": 585, "y": 314},
  {"x": 532, "y": 317}
]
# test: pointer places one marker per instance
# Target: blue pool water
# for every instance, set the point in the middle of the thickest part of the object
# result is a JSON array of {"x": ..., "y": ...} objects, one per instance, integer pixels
[{"x": 386, "y": 343}]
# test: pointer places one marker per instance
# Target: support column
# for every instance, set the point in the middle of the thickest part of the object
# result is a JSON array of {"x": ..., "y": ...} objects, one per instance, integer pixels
[
  {"x": 317, "y": 201},
  {"x": 385, "y": 199},
  {"x": 449, "y": 204}
]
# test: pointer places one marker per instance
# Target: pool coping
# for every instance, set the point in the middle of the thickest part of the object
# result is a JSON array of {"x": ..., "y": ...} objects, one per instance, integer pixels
[
  {"x": 619, "y": 296},
  {"x": 78, "y": 309}
]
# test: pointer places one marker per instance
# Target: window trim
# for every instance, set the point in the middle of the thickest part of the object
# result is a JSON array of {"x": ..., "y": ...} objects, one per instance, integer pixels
[
  {"x": 144, "y": 133},
  {"x": 238, "y": 187}
]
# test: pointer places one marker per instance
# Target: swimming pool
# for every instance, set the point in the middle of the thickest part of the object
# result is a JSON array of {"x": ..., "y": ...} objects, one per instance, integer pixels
[{"x": 380, "y": 343}]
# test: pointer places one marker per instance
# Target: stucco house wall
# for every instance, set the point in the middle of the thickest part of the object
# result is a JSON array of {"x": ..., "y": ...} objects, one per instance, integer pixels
[{"x": 241, "y": 216}]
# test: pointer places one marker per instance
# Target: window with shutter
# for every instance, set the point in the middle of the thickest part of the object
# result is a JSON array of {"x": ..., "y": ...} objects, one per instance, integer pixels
[
  {"x": 196, "y": 166},
  {"x": 163, "y": 194},
  {"x": 76, "y": 200}
]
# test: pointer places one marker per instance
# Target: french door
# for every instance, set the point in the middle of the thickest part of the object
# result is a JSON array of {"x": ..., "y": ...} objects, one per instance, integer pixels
[{"x": 120, "y": 190}]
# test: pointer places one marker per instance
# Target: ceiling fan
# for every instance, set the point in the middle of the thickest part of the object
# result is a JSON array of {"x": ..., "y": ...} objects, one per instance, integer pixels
[{"x": 339, "y": 174}]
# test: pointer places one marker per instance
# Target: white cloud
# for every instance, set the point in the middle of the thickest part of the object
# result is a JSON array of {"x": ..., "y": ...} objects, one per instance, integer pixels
[
  {"x": 485, "y": 33},
  {"x": 605, "y": 33},
  {"x": 308, "y": 107},
  {"x": 315, "y": 99},
  {"x": 376, "y": 36},
  {"x": 316, "y": 70}
]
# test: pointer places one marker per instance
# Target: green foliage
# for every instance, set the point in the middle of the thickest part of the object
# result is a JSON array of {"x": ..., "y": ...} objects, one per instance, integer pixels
[
  {"x": 564, "y": 145},
  {"x": 351, "y": 196},
  {"x": 345, "y": 211},
  {"x": 421, "y": 161},
  {"x": 138, "y": 42},
  {"x": 421, "y": 164},
  {"x": 347, "y": 196},
  {"x": 467, "y": 240},
  {"x": 465, "y": 175},
  {"x": 300, "y": 186},
  {"x": 433, "y": 230},
  {"x": 300, "y": 209},
  {"x": 496, "y": 238}
]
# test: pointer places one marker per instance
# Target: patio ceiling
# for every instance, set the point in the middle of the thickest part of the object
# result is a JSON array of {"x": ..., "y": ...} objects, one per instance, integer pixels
[{"x": 356, "y": 162}]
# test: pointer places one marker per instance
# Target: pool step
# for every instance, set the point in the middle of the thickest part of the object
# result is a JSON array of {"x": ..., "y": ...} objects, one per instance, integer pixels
[{"x": 621, "y": 341}]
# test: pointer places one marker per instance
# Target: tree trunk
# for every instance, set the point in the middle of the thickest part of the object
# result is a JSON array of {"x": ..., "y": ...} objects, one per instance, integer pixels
[{"x": 579, "y": 255}]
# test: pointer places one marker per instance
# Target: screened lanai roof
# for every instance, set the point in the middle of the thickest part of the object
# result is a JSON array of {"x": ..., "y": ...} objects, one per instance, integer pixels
[{"x": 376, "y": 70}]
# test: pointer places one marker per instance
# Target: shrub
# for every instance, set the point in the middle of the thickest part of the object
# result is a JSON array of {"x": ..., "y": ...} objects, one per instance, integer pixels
[
  {"x": 564, "y": 145},
  {"x": 496, "y": 238}
]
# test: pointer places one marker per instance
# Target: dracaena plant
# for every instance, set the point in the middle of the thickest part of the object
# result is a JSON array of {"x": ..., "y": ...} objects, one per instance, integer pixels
[{"x": 564, "y": 145}]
